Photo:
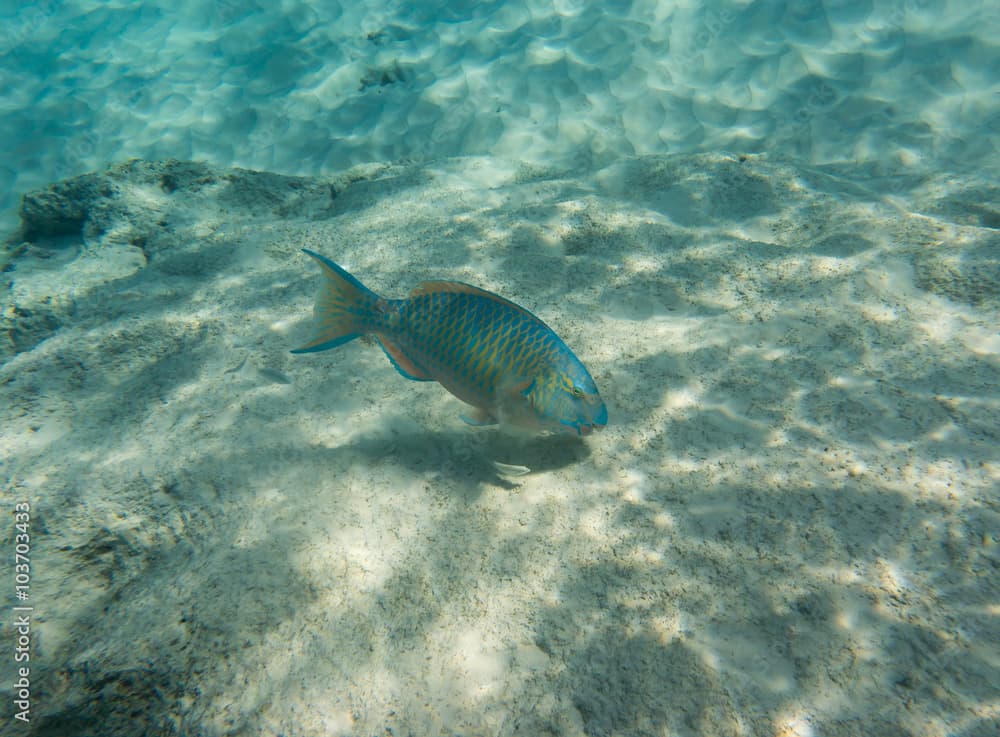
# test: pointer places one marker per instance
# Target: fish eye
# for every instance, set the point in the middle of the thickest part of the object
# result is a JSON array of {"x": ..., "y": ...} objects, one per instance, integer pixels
[{"x": 577, "y": 392}]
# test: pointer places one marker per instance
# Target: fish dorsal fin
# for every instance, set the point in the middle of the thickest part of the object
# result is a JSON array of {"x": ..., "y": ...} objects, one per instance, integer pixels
[
  {"x": 457, "y": 287},
  {"x": 403, "y": 363}
]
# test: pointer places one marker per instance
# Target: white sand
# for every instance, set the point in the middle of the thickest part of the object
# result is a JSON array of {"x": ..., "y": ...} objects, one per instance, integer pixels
[{"x": 790, "y": 526}]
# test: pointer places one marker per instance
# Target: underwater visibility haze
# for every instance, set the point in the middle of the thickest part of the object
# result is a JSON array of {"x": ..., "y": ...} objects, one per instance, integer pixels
[{"x": 768, "y": 229}]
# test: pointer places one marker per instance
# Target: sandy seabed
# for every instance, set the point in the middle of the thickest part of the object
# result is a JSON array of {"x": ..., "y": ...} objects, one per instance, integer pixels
[{"x": 790, "y": 526}]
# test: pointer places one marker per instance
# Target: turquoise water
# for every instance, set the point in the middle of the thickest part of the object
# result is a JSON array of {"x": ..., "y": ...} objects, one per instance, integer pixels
[
  {"x": 769, "y": 230},
  {"x": 311, "y": 88}
]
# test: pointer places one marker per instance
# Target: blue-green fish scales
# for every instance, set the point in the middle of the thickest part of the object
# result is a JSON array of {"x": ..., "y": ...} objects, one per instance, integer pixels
[{"x": 484, "y": 349}]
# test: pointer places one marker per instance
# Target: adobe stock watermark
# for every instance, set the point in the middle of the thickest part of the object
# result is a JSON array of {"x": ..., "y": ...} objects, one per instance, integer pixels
[
  {"x": 231, "y": 11},
  {"x": 819, "y": 99},
  {"x": 265, "y": 139},
  {"x": 569, "y": 7},
  {"x": 709, "y": 30},
  {"x": 438, "y": 143},
  {"x": 899, "y": 10},
  {"x": 22, "y": 612},
  {"x": 78, "y": 155}
]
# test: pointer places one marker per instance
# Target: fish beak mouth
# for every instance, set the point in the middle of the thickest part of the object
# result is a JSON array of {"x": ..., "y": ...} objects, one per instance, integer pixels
[
  {"x": 584, "y": 430},
  {"x": 586, "y": 422},
  {"x": 597, "y": 421}
]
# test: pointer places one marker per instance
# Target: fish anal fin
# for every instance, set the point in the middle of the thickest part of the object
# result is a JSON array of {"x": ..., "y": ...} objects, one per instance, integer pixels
[
  {"x": 403, "y": 363},
  {"x": 477, "y": 416}
]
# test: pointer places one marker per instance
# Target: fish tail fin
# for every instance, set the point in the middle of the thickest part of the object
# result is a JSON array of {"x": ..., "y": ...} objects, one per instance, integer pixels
[{"x": 341, "y": 307}]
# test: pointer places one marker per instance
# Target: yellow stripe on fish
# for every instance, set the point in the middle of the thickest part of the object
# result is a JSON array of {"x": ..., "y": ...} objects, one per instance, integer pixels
[{"x": 484, "y": 349}]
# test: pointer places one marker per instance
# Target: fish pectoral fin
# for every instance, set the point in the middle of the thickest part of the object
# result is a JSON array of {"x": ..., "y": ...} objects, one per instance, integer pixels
[
  {"x": 516, "y": 388},
  {"x": 514, "y": 394},
  {"x": 514, "y": 402},
  {"x": 477, "y": 417},
  {"x": 403, "y": 363}
]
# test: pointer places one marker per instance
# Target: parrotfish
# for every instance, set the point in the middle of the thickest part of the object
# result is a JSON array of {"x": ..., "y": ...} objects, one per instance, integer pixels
[{"x": 489, "y": 352}]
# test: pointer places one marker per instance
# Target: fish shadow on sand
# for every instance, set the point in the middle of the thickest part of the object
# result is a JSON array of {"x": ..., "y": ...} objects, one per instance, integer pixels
[{"x": 464, "y": 458}]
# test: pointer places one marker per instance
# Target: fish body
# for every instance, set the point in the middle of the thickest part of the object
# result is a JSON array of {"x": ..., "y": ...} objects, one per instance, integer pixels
[{"x": 484, "y": 349}]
